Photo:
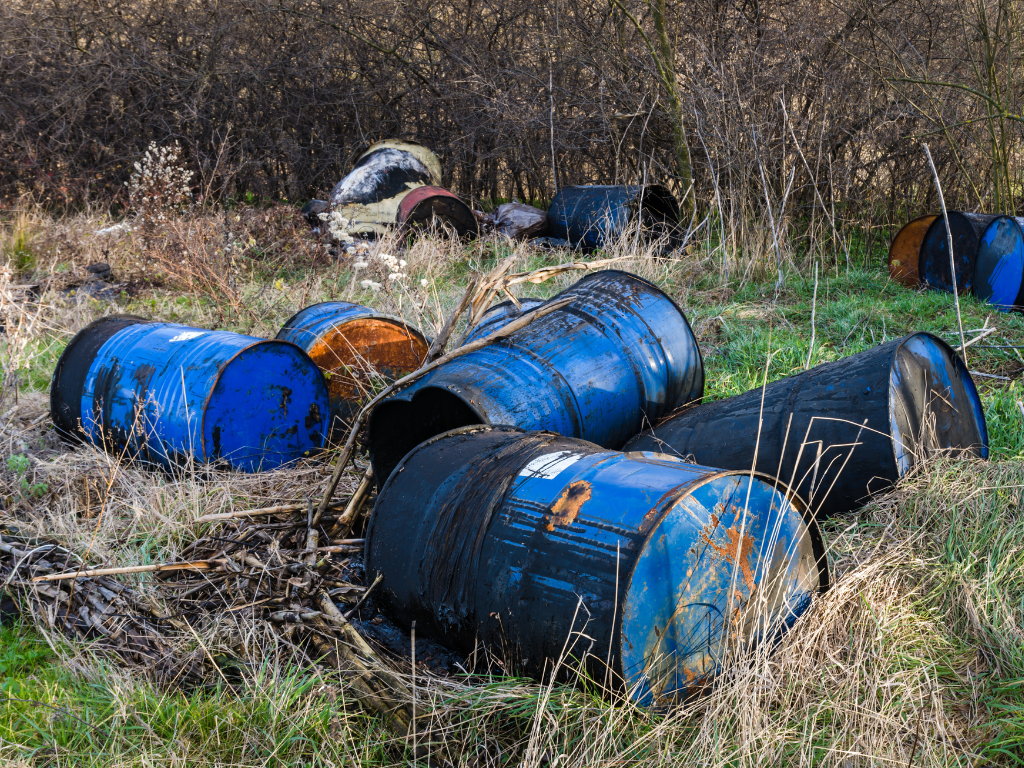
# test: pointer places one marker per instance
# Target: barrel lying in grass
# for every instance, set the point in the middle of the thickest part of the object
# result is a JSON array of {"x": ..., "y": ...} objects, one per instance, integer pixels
[
  {"x": 841, "y": 431},
  {"x": 519, "y": 540},
  {"x": 999, "y": 270},
  {"x": 173, "y": 395},
  {"x": 934, "y": 265},
  {"x": 594, "y": 215},
  {"x": 619, "y": 355},
  {"x": 357, "y": 348},
  {"x": 905, "y": 251}
]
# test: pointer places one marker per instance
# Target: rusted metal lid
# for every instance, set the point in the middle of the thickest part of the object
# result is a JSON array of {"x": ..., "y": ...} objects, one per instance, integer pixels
[
  {"x": 425, "y": 206},
  {"x": 905, "y": 251}
]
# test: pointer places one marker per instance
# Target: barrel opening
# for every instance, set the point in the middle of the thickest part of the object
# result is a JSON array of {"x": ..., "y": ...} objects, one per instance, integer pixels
[
  {"x": 436, "y": 208},
  {"x": 934, "y": 406},
  {"x": 658, "y": 211},
  {"x": 398, "y": 426}
]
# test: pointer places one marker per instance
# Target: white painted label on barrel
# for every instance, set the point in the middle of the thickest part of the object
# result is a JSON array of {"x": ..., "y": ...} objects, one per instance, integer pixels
[
  {"x": 186, "y": 335},
  {"x": 549, "y": 465}
]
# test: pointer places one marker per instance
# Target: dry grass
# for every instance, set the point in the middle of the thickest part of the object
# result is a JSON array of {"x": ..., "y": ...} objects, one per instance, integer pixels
[{"x": 914, "y": 657}]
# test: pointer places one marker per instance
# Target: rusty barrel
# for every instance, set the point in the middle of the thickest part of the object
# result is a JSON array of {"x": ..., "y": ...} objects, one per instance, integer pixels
[
  {"x": 966, "y": 230},
  {"x": 840, "y": 431},
  {"x": 357, "y": 348},
  {"x": 905, "y": 251},
  {"x": 999, "y": 270},
  {"x": 499, "y": 316},
  {"x": 426, "y": 207},
  {"x": 620, "y": 355},
  {"x": 172, "y": 395},
  {"x": 518, "y": 540},
  {"x": 592, "y": 216}
]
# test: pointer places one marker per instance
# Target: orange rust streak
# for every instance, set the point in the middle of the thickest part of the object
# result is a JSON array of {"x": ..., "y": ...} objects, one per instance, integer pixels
[
  {"x": 567, "y": 507},
  {"x": 906, "y": 249},
  {"x": 733, "y": 549}
]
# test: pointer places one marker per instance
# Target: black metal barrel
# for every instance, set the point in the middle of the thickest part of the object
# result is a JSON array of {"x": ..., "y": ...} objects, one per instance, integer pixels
[
  {"x": 519, "y": 539},
  {"x": 592, "y": 216},
  {"x": 841, "y": 431},
  {"x": 933, "y": 266}
]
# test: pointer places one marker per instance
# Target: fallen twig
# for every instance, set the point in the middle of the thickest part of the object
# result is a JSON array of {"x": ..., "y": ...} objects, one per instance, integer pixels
[{"x": 198, "y": 565}]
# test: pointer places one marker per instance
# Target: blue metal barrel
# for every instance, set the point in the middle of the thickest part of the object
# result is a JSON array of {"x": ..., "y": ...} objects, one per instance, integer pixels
[
  {"x": 358, "y": 349},
  {"x": 518, "y": 540},
  {"x": 999, "y": 271},
  {"x": 933, "y": 265},
  {"x": 499, "y": 316},
  {"x": 619, "y": 356},
  {"x": 841, "y": 431},
  {"x": 592, "y": 216},
  {"x": 169, "y": 394}
]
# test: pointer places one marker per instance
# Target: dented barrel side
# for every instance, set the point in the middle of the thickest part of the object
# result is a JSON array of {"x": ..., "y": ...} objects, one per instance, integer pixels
[
  {"x": 934, "y": 265},
  {"x": 170, "y": 395},
  {"x": 841, "y": 431},
  {"x": 619, "y": 355},
  {"x": 357, "y": 348},
  {"x": 499, "y": 316},
  {"x": 518, "y": 540}
]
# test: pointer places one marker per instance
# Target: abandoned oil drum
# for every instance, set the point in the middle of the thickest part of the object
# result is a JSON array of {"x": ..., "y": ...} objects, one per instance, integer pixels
[
  {"x": 429, "y": 206},
  {"x": 499, "y": 316},
  {"x": 620, "y": 355},
  {"x": 519, "y": 540},
  {"x": 593, "y": 216},
  {"x": 357, "y": 348},
  {"x": 905, "y": 251},
  {"x": 840, "y": 431},
  {"x": 934, "y": 267},
  {"x": 171, "y": 395},
  {"x": 999, "y": 269}
]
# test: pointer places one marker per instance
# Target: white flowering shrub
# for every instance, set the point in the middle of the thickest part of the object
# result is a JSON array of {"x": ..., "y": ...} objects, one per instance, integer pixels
[
  {"x": 161, "y": 183},
  {"x": 337, "y": 226}
]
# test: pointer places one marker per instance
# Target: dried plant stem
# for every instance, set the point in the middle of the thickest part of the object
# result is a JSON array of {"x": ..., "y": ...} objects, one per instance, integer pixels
[
  {"x": 814, "y": 308},
  {"x": 280, "y": 509},
  {"x": 197, "y": 565}
]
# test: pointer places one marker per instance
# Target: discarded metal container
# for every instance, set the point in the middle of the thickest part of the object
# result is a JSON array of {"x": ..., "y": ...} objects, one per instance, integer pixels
[
  {"x": 841, "y": 431},
  {"x": 499, "y": 316},
  {"x": 357, "y": 348},
  {"x": 619, "y": 356},
  {"x": 592, "y": 216},
  {"x": 519, "y": 221},
  {"x": 168, "y": 394},
  {"x": 519, "y": 540},
  {"x": 933, "y": 267},
  {"x": 905, "y": 251},
  {"x": 999, "y": 270},
  {"x": 432, "y": 206},
  {"x": 384, "y": 174}
]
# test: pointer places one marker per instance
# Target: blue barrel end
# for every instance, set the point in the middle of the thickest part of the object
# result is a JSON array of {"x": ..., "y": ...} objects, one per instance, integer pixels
[
  {"x": 999, "y": 271},
  {"x": 737, "y": 547},
  {"x": 593, "y": 215}
]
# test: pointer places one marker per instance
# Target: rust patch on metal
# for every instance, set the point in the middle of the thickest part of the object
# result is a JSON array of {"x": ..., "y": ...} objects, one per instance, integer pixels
[
  {"x": 567, "y": 506},
  {"x": 738, "y": 545},
  {"x": 906, "y": 249},
  {"x": 351, "y": 354}
]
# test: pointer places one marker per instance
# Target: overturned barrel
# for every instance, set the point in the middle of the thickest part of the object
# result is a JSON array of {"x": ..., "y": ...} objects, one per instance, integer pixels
[
  {"x": 934, "y": 267},
  {"x": 358, "y": 349},
  {"x": 427, "y": 207},
  {"x": 499, "y": 316},
  {"x": 905, "y": 251},
  {"x": 169, "y": 395},
  {"x": 841, "y": 431},
  {"x": 619, "y": 355},
  {"x": 518, "y": 540},
  {"x": 999, "y": 270},
  {"x": 593, "y": 216}
]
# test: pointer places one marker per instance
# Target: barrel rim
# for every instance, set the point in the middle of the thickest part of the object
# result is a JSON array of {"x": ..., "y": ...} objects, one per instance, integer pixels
[
  {"x": 58, "y": 370},
  {"x": 256, "y": 343},
  {"x": 374, "y": 315},
  {"x": 958, "y": 365}
]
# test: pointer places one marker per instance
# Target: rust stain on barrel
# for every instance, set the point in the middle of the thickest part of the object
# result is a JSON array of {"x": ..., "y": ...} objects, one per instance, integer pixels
[
  {"x": 350, "y": 353},
  {"x": 739, "y": 545},
  {"x": 567, "y": 506}
]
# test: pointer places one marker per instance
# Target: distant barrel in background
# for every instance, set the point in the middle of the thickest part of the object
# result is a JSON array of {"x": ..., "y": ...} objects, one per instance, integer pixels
[
  {"x": 620, "y": 355},
  {"x": 357, "y": 348},
  {"x": 517, "y": 540},
  {"x": 429, "y": 206},
  {"x": 169, "y": 394},
  {"x": 905, "y": 251},
  {"x": 383, "y": 175},
  {"x": 592, "y": 216},
  {"x": 841, "y": 431},
  {"x": 499, "y": 316},
  {"x": 933, "y": 267},
  {"x": 999, "y": 270}
]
